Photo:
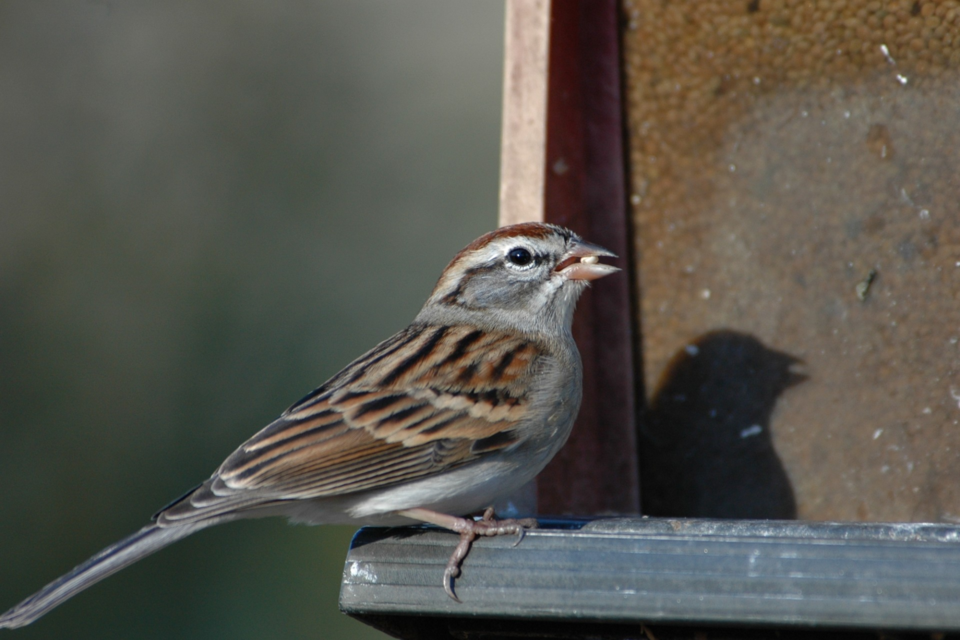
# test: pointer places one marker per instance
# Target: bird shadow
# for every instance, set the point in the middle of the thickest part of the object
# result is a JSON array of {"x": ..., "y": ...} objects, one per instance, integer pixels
[{"x": 705, "y": 444}]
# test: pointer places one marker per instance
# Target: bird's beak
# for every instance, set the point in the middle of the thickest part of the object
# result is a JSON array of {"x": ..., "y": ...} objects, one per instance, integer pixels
[{"x": 582, "y": 262}]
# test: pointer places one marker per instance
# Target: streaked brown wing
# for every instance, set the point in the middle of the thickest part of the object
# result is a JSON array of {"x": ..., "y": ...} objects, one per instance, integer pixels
[
  {"x": 325, "y": 455},
  {"x": 427, "y": 399}
]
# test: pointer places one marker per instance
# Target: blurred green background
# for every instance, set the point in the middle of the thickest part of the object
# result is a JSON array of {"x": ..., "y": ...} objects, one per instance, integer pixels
[{"x": 206, "y": 209}]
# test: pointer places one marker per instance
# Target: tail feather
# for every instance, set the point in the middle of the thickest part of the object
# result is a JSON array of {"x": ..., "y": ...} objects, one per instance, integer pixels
[{"x": 115, "y": 557}]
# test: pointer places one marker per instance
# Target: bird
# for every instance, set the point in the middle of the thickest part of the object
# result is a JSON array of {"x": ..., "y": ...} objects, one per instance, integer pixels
[{"x": 465, "y": 405}]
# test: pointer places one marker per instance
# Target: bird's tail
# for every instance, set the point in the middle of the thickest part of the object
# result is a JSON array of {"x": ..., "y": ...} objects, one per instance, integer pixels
[{"x": 115, "y": 557}]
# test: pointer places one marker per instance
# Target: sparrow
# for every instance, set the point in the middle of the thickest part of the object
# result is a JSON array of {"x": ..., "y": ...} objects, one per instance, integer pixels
[{"x": 463, "y": 406}]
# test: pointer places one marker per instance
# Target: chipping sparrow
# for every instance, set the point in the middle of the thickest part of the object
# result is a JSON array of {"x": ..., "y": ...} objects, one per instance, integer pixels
[{"x": 465, "y": 405}]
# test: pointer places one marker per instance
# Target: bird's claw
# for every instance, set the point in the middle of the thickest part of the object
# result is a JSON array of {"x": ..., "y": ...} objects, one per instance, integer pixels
[
  {"x": 449, "y": 575},
  {"x": 469, "y": 530}
]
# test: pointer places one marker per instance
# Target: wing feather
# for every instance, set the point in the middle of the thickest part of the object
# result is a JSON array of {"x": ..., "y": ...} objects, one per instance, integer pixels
[{"x": 428, "y": 399}]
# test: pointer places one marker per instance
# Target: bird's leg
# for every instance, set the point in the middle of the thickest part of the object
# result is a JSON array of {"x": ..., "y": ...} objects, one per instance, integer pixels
[{"x": 469, "y": 529}]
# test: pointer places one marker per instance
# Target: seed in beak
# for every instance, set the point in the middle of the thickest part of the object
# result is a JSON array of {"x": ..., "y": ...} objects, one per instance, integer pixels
[{"x": 590, "y": 259}]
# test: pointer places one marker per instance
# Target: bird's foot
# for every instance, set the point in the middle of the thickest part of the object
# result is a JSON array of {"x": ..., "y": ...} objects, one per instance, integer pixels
[{"x": 469, "y": 530}]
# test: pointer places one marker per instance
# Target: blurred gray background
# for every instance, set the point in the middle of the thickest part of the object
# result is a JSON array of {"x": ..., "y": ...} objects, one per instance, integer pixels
[{"x": 206, "y": 209}]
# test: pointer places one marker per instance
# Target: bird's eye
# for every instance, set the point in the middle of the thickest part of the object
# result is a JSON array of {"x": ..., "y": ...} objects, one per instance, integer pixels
[{"x": 519, "y": 256}]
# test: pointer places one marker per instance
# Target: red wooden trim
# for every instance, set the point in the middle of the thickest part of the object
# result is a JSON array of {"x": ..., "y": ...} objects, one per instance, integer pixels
[{"x": 585, "y": 190}]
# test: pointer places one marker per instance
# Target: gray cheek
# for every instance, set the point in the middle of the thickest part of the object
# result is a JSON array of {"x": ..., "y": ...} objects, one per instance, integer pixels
[{"x": 491, "y": 290}]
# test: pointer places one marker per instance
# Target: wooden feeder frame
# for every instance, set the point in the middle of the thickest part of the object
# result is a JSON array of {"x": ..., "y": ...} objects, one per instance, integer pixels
[{"x": 563, "y": 161}]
